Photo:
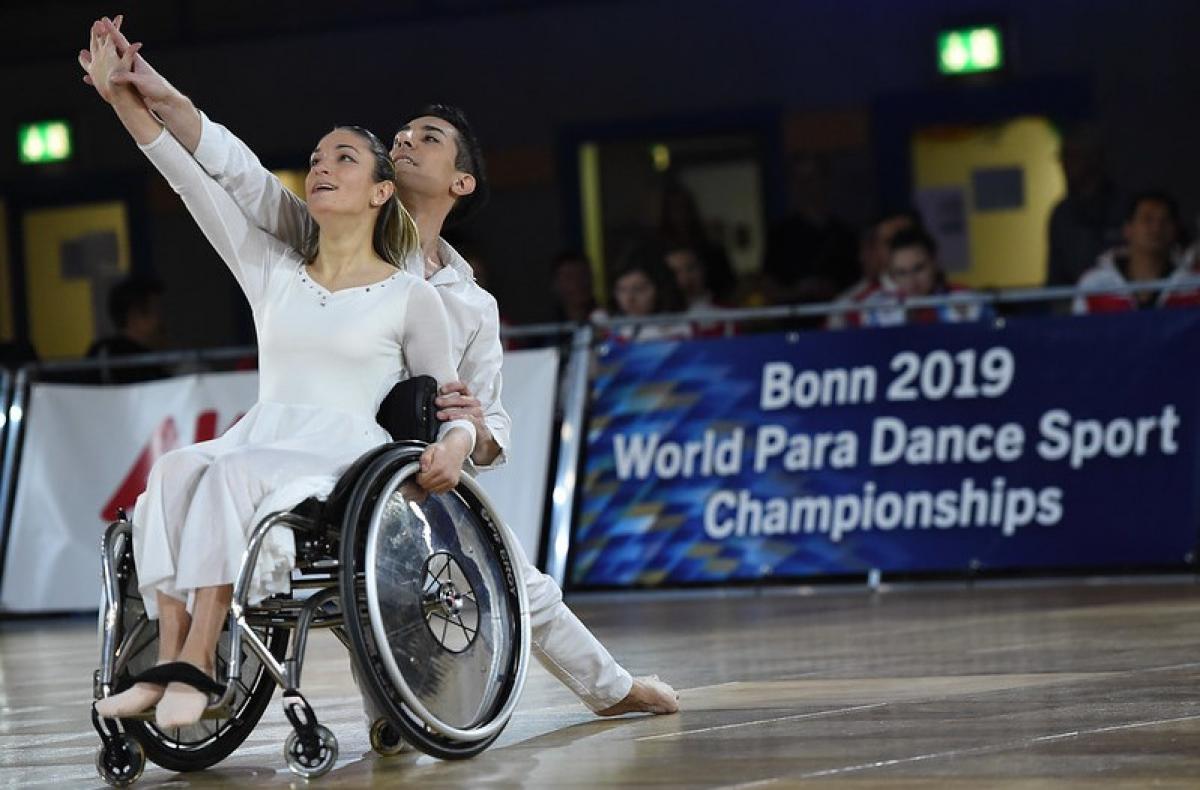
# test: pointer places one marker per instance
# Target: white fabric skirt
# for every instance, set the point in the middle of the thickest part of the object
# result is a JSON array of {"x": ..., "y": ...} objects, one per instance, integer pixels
[{"x": 193, "y": 522}]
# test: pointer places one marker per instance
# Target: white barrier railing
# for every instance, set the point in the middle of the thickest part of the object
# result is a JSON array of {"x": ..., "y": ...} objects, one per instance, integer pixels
[{"x": 14, "y": 390}]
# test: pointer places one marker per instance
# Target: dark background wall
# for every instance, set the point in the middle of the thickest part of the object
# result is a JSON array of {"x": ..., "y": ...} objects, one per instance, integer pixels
[{"x": 281, "y": 73}]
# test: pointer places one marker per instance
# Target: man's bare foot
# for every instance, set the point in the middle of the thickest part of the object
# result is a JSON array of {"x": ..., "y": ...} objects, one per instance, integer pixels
[{"x": 648, "y": 695}]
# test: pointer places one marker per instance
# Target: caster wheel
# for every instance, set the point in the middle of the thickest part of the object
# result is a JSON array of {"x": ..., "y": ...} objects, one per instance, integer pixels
[
  {"x": 313, "y": 761},
  {"x": 121, "y": 763},
  {"x": 385, "y": 738}
]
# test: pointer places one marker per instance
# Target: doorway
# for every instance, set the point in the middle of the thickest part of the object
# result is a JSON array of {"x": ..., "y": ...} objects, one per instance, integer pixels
[{"x": 986, "y": 192}]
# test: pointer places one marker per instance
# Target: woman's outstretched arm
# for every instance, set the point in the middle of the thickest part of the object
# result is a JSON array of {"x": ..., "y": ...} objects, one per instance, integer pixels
[
  {"x": 249, "y": 253},
  {"x": 260, "y": 194},
  {"x": 104, "y": 67}
]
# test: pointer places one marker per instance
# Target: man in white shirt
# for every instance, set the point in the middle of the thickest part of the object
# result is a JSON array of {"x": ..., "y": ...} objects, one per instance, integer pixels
[{"x": 439, "y": 177}]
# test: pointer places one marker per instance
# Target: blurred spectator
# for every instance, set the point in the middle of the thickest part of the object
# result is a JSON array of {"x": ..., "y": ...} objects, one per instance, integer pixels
[
  {"x": 874, "y": 253},
  {"x": 913, "y": 272},
  {"x": 574, "y": 299},
  {"x": 691, "y": 277},
  {"x": 681, "y": 226},
  {"x": 473, "y": 255},
  {"x": 810, "y": 255},
  {"x": 1191, "y": 256},
  {"x": 642, "y": 285},
  {"x": 1151, "y": 252},
  {"x": 1088, "y": 220},
  {"x": 135, "y": 309}
]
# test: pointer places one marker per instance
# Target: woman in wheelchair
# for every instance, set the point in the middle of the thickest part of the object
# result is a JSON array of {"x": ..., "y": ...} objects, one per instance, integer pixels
[{"x": 336, "y": 324}]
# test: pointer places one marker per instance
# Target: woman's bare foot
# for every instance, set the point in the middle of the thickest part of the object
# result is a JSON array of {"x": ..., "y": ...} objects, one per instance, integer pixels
[
  {"x": 135, "y": 699},
  {"x": 182, "y": 704},
  {"x": 648, "y": 695}
]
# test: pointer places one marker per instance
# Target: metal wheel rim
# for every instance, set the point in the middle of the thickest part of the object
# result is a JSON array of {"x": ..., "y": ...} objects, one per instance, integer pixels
[{"x": 373, "y": 607}]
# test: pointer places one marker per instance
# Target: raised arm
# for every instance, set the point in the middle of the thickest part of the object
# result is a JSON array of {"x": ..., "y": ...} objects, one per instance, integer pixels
[
  {"x": 261, "y": 196},
  {"x": 248, "y": 252},
  {"x": 259, "y": 192},
  {"x": 104, "y": 69}
]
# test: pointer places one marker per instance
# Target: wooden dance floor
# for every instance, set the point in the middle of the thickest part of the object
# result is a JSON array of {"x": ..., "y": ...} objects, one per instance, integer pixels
[{"x": 1070, "y": 685}]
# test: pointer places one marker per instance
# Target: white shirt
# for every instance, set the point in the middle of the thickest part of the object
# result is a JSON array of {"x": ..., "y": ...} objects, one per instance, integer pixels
[
  {"x": 340, "y": 351},
  {"x": 474, "y": 318}
]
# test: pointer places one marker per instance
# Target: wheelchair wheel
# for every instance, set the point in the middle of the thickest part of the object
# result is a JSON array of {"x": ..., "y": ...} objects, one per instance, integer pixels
[
  {"x": 208, "y": 741},
  {"x": 438, "y": 618}
]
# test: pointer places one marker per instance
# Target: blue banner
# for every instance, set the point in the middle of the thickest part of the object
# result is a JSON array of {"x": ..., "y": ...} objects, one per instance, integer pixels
[{"x": 1037, "y": 443}]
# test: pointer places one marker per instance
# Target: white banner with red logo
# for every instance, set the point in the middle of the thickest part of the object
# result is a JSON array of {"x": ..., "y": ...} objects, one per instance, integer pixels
[
  {"x": 518, "y": 489},
  {"x": 87, "y": 451}
]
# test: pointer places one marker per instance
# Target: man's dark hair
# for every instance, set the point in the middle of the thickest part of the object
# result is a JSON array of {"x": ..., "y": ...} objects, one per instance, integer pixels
[
  {"x": 469, "y": 160},
  {"x": 906, "y": 212},
  {"x": 135, "y": 292},
  {"x": 914, "y": 237},
  {"x": 569, "y": 256},
  {"x": 1159, "y": 196}
]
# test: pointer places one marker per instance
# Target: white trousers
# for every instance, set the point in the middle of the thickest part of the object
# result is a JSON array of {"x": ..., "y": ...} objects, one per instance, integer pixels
[
  {"x": 566, "y": 648},
  {"x": 192, "y": 524},
  {"x": 563, "y": 645}
]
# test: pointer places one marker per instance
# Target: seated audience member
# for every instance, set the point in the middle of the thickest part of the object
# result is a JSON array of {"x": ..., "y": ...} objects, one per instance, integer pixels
[
  {"x": 810, "y": 254},
  {"x": 135, "y": 308},
  {"x": 643, "y": 286},
  {"x": 1150, "y": 252},
  {"x": 1191, "y": 257},
  {"x": 680, "y": 225},
  {"x": 874, "y": 252},
  {"x": 571, "y": 279},
  {"x": 692, "y": 278},
  {"x": 1087, "y": 221},
  {"x": 913, "y": 272}
]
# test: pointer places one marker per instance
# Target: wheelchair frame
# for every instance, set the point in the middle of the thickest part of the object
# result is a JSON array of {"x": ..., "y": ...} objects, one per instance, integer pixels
[{"x": 311, "y": 749}]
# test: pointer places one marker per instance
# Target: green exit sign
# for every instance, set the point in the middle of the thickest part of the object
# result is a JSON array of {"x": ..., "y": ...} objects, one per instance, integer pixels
[
  {"x": 970, "y": 50},
  {"x": 43, "y": 142}
]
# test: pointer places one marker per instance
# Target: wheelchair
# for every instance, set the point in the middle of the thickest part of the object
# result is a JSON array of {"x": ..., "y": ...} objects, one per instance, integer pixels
[{"x": 424, "y": 591}]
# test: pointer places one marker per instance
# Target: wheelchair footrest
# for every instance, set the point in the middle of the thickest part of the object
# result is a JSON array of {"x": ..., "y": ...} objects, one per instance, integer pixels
[{"x": 214, "y": 712}]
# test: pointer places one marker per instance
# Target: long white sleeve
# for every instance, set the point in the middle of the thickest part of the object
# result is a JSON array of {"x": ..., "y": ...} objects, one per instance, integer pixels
[
  {"x": 257, "y": 191},
  {"x": 250, "y": 253},
  {"x": 480, "y": 371},
  {"x": 426, "y": 343}
]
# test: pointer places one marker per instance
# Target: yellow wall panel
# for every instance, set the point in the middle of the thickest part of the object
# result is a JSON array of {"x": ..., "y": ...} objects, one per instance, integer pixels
[
  {"x": 1008, "y": 247},
  {"x": 293, "y": 180},
  {"x": 62, "y": 318}
]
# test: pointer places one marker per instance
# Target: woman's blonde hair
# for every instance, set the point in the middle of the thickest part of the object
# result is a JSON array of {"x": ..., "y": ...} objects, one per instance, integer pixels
[{"x": 395, "y": 237}]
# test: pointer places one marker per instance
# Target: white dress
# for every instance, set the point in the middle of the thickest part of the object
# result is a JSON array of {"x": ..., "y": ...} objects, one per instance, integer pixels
[{"x": 326, "y": 360}]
